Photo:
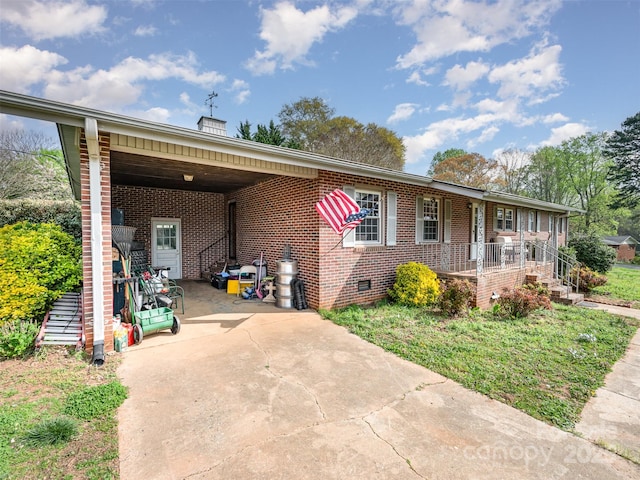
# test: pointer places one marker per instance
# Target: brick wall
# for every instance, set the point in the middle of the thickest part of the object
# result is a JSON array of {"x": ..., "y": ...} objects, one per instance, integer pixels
[
  {"x": 275, "y": 213},
  {"x": 87, "y": 296},
  {"x": 496, "y": 282},
  {"x": 202, "y": 216},
  {"x": 281, "y": 211},
  {"x": 625, "y": 253}
]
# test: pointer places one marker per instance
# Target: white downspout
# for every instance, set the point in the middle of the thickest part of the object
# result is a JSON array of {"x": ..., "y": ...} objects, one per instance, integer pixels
[{"x": 97, "y": 269}]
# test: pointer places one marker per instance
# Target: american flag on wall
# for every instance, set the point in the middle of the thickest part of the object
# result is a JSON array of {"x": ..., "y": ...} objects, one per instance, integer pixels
[{"x": 340, "y": 211}]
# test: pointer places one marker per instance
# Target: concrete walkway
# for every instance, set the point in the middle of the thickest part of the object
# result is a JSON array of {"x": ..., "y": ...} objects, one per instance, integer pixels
[
  {"x": 281, "y": 394},
  {"x": 612, "y": 416}
]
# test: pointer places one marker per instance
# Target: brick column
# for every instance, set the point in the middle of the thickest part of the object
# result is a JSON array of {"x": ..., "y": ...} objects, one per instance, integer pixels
[{"x": 87, "y": 270}]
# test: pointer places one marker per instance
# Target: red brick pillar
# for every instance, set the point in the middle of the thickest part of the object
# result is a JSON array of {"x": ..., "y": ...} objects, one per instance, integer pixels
[{"x": 87, "y": 268}]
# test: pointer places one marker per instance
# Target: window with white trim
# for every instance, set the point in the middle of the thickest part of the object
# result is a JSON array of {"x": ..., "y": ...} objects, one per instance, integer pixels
[
  {"x": 561, "y": 225},
  {"x": 550, "y": 223},
  {"x": 428, "y": 219},
  {"x": 369, "y": 230},
  {"x": 504, "y": 219}
]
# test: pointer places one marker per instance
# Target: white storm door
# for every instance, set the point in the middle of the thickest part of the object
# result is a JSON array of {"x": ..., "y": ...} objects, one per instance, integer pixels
[
  {"x": 474, "y": 232},
  {"x": 166, "y": 245}
]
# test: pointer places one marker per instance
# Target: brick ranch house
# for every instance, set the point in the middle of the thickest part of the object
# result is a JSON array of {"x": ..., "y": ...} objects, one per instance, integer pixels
[
  {"x": 244, "y": 198},
  {"x": 625, "y": 247}
]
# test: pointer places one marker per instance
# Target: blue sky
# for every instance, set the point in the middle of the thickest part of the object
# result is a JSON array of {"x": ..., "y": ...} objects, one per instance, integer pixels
[{"x": 484, "y": 76}]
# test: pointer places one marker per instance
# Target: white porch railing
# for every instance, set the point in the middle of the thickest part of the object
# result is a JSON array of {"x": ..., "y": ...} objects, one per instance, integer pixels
[
  {"x": 560, "y": 266},
  {"x": 462, "y": 257}
]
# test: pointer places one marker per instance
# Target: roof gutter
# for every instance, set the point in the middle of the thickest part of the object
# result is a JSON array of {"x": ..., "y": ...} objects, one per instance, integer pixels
[
  {"x": 61, "y": 113},
  {"x": 499, "y": 197}
]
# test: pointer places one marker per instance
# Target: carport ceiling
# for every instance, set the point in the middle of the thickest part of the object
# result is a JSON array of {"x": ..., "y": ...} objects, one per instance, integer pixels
[{"x": 143, "y": 171}]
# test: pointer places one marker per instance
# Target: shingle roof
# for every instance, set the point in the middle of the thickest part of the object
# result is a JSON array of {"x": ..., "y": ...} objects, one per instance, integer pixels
[{"x": 620, "y": 240}]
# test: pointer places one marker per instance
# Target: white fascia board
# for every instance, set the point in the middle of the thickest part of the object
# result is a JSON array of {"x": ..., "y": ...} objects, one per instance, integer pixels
[
  {"x": 23, "y": 105},
  {"x": 469, "y": 192},
  {"x": 519, "y": 201}
]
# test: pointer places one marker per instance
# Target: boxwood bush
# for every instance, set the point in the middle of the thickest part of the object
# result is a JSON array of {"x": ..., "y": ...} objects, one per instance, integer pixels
[{"x": 416, "y": 285}]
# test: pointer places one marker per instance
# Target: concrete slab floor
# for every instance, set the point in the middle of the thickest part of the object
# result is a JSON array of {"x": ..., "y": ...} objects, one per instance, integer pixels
[{"x": 282, "y": 394}]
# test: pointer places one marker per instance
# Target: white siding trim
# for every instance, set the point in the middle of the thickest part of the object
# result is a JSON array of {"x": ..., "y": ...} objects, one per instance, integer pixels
[
  {"x": 349, "y": 236},
  {"x": 392, "y": 217},
  {"x": 419, "y": 219},
  {"x": 447, "y": 221}
]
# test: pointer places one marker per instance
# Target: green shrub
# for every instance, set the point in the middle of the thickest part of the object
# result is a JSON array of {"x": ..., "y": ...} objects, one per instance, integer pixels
[
  {"x": 588, "y": 279},
  {"x": 51, "y": 432},
  {"x": 64, "y": 213},
  {"x": 592, "y": 252},
  {"x": 415, "y": 285},
  {"x": 455, "y": 296},
  {"x": 521, "y": 301},
  {"x": 636, "y": 260},
  {"x": 93, "y": 402},
  {"x": 17, "y": 338},
  {"x": 38, "y": 263}
]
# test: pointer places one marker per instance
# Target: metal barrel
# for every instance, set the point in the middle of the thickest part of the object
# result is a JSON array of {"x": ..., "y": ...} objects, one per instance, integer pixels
[{"x": 287, "y": 271}]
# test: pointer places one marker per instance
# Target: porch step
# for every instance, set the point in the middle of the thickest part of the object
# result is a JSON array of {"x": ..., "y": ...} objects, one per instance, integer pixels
[
  {"x": 63, "y": 323},
  {"x": 570, "y": 299},
  {"x": 556, "y": 292}
]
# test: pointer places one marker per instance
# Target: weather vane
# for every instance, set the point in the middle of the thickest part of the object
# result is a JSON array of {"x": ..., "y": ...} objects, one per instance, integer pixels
[{"x": 209, "y": 102}]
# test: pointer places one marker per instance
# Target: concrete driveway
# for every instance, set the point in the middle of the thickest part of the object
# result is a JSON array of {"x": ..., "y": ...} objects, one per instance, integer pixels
[{"x": 282, "y": 394}]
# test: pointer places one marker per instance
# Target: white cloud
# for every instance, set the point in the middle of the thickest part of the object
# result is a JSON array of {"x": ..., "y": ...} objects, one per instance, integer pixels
[
  {"x": 155, "y": 114},
  {"x": 290, "y": 33},
  {"x": 442, "y": 131},
  {"x": 460, "y": 78},
  {"x": 111, "y": 89},
  {"x": 241, "y": 91},
  {"x": 530, "y": 76},
  {"x": 555, "y": 118},
  {"x": 416, "y": 78},
  {"x": 565, "y": 132},
  {"x": 43, "y": 20},
  {"x": 10, "y": 123},
  {"x": 145, "y": 31},
  {"x": 448, "y": 27},
  {"x": 185, "y": 99},
  {"x": 403, "y": 111},
  {"x": 29, "y": 66},
  {"x": 487, "y": 135}
]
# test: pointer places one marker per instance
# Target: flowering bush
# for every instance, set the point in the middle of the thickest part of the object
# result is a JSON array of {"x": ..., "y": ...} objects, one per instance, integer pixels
[
  {"x": 38, "y": 263},
  {"x": 455, "y": 296},
  {"x": 416, "y": 285},
  {"x": 588, "y": 279},
  {"x": 521, "y": 301}
]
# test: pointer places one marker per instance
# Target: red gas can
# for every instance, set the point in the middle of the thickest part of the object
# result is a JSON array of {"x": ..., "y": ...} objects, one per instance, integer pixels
[{"x": 129, "y": 328}]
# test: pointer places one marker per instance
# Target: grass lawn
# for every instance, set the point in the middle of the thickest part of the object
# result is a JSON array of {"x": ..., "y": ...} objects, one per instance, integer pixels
[
  {"x": 37, "y": 389},
  {"x": 622, "y": 283},
  {"x": 547, "y": 365}
]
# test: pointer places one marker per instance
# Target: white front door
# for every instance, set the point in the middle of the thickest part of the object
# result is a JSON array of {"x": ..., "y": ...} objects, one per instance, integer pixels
[
  {"x": 166, "y": 245},
  {"x": 474, "y": 232}
]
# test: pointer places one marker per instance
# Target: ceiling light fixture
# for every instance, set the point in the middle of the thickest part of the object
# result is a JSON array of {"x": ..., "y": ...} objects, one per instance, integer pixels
[{"x": 187, "y": 178}]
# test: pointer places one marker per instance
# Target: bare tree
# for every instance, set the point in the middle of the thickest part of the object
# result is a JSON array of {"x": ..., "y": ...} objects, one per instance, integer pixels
[
  {"x": 512, "y": 167},
  {"x": 31, "y": 167}
]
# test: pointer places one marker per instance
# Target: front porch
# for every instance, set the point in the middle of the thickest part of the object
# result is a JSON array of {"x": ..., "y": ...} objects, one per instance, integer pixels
[{"x": 495, "y": 266}]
